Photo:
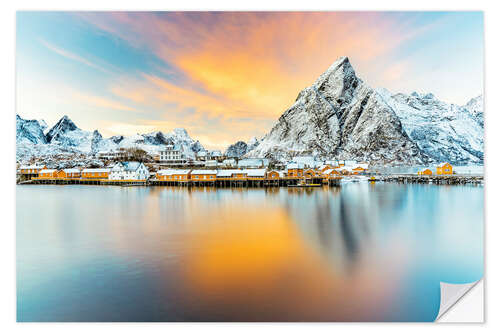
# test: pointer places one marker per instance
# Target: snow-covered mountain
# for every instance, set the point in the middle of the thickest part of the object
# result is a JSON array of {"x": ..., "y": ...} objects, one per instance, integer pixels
[
  {"x": 339, "y": 116},
  {"x": 29, "y": 131},
  {"x": 445, "y": 132},
  {"x": 240, "y": 148},
  {"x": 66, "y": 138}
]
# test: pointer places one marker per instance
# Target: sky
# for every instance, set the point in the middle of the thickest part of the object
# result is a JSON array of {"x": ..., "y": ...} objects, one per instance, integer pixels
[{"x": 228, "y": 76}]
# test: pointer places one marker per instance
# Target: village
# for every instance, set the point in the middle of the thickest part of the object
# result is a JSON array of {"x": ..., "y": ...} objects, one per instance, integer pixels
[{"x": 171, "y": 167}]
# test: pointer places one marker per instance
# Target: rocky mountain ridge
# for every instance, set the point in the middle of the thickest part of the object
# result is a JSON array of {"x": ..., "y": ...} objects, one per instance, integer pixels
[
  {"x": 340, "y": 116},
  {"x": 66, "y": 138}
]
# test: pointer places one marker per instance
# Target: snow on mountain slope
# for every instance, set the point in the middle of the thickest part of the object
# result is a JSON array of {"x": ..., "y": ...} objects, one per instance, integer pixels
[
  {"x": 475, "y": 107},
  {"x": 240, "y": 148},
  {"x": 339, "y": 116},
  {"x": 445, "y": 132},
  {"x": 29, "y": 131}
]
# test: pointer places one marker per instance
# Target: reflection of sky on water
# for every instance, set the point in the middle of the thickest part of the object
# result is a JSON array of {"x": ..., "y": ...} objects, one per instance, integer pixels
[{"x": 360, "y": 252}]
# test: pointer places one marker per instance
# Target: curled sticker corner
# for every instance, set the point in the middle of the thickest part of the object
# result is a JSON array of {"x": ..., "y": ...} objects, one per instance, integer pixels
[{"x": 451, "y": 293}]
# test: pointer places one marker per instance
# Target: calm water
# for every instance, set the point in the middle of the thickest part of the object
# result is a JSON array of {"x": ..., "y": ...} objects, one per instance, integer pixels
[{"x": 365, "y": 252}]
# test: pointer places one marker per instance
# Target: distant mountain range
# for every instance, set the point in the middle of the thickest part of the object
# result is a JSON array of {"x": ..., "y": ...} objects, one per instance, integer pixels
[
  {"x": 66, "y": 138},
  {"x": 339, "y": 116}
]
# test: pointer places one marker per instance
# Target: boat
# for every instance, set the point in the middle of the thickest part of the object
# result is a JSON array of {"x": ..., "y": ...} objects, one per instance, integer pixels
[{"x": 302, "y": 184}]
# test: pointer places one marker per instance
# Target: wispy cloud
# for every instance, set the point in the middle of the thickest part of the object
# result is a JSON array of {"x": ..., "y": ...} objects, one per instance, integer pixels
[{"x": 73, "y": 56}]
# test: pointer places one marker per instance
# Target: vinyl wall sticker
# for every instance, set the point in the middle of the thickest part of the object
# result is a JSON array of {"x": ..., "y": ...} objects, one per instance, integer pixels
[{"x": 248, "y": 166}]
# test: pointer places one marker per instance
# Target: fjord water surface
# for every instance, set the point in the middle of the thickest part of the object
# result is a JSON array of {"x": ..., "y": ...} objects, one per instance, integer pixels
[{"x": 363, "y": 252}]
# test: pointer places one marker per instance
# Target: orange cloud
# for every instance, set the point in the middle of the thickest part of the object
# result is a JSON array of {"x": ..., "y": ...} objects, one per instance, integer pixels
[{"x": 100, "y": 102}]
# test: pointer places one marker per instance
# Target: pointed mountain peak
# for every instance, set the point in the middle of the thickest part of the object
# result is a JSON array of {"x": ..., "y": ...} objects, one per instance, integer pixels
[
  {"x": 338, "y": 83},
  {"x": 340, "y": 68},
  {"x": 96, "y": 134},
  {"x": 181, "y": 132},
  {"x": 64, "y": 125}
]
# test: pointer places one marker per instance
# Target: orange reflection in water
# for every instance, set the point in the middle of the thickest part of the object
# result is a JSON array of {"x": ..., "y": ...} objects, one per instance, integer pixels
[{"x": 251, "y": 264}]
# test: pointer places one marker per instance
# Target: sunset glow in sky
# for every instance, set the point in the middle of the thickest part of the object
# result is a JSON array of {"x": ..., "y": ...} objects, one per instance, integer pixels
[{"x": 228, "y": 76}]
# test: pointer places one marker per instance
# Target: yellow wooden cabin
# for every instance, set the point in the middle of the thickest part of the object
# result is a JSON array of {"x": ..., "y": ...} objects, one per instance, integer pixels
[
  {"x": 273, "y": 174},
  {"x": 32, "y": 169},
  {"x": 255, "y": 174},
  {"x": 61, "y": 174},
  {"x": 444, "y": 169},
  {"x": 331, "y": 173},
  {"x": 72, "y": 173},
  {"x": 425, "y": 172},
  {"x": 239, "y": 175},
  {"x": 181, "y": 175},
  {"x": 164, "y": 175},
  {"x": 203, "y": 175},
  {"x": 96, "y": 174},
  {"x": 325, "y": 167},
  {"x": 47, "y": 174},
  {"x": 357, "y": 170},
  {"x": 294, "y": 171},
  {"x": 309, "y": 173}
]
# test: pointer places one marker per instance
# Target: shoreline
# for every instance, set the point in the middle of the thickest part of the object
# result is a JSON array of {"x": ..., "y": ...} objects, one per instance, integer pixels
[{"x": 282, "y": 182}]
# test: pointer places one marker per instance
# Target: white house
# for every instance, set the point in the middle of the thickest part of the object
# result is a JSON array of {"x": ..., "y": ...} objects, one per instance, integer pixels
[
  {"x": 215, "y": 154},
  {"x": 230, "y": 162},
  {"x": 171, "y": 154},
  {"x": 201, "y": 155},
  {"x": 211, "y": 163},
  {"x": 253, "y": 163},
  {"x": 129, "y": 171}
]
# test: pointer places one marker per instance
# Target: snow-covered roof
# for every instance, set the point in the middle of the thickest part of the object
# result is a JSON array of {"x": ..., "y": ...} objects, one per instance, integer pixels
[
  {"x": 180, "y": 171},
  {"x": 291, "y": 166},
  {"x": 201, "y": 153},
  {"x": 25, "y": 167},
  {"x": 329, "y": 171},
  {"x": 332, "y": 162},
  {"x": 440, "y": 165},
  {"x": 71, "y": 170},
  {"x": 216, "y": 153},
  {"x": 131, "y": 166},
  {"x": 255, "y": 172},
  {"x": 204, "y": 172},
  {"x": 251, "y": 162},
  {"x": 165, "y": 172},
  {"x": 350, "y": 163},
  {"x": 96, "y": 170},
  {"x": 228, "y": 172},
  {"x": 48, "y": 171}
]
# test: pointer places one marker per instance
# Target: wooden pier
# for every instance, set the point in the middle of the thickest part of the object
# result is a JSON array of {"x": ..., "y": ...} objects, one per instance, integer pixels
[
  {"x": 263, "y": 182},
  {"x": 434, "y": 179},
  {"x": 225, "y": 182}
]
